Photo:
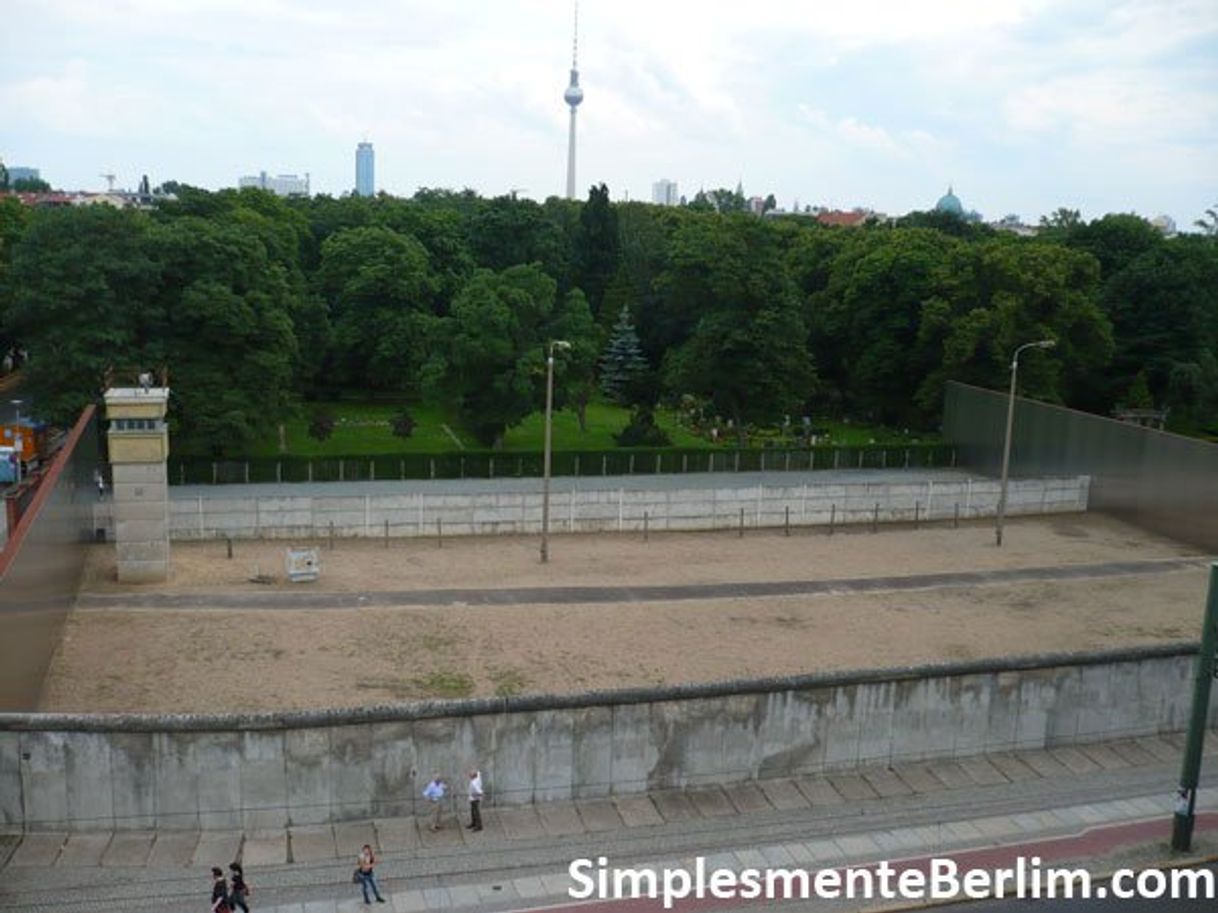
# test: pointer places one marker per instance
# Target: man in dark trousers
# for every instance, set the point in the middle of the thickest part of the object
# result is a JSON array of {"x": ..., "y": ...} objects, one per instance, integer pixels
[{"x": 475, "y": 800}]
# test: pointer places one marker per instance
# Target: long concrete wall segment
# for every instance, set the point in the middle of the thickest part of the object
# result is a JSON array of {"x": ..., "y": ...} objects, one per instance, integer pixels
[
  {"x": 285, "y": 515},
  {"x": 1157, "y": 480},
  {"x": 272, "y": 770},
  {"x": 41, "y": 565}
]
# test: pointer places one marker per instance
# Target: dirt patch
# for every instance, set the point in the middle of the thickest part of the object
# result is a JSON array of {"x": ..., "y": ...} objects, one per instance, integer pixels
[
  {"x": 361, "y": 565},
  {"x": 209, "y": 659}
]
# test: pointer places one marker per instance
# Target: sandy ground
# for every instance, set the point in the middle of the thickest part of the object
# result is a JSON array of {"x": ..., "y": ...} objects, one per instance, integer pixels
[
  {"x": 667, "y": 558},
  {"x": 196, "y": 660}
]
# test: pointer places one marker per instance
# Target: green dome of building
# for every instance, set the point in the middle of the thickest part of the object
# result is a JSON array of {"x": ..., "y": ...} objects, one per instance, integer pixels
[{"x": 949, "y": 202}]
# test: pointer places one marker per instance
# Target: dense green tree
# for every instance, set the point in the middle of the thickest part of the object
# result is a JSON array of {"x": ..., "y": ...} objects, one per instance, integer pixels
[
  {"x": 490, "y": 367},
  {"x": 380, "y": 290},
  {"x": 575, "y": 367},
  {"x": 30, "y": 185},
  {"x": 748, "y": 350},
  {"x": 84, "y": 299},
  {"x": 622, "y": 361},
  {"x": 227, "y": 333},
  {"x": 596, "y": 246},
  {"x": 1115, "y": 241}
]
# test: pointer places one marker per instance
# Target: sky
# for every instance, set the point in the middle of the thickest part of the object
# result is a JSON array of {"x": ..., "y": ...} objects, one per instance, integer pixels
[{"x": 1022, "y": 106}]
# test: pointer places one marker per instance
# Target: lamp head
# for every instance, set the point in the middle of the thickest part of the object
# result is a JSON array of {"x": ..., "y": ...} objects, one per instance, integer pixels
[
  {"x": 1046, "y": 344},
  {"x": 559, "y": 344}
]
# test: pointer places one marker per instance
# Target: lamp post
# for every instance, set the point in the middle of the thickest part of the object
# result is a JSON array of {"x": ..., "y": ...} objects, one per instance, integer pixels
[
  {"x": 1006, "y": 450},
  {"x": 545, "y": 470}
]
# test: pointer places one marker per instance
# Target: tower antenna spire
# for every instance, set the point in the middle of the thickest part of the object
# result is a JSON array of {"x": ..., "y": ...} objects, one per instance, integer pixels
[{"x": 575, "y": 41}]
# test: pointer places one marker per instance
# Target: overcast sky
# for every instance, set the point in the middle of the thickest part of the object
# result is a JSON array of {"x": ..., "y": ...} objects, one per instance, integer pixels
[{"x": 1022, "y": 105}]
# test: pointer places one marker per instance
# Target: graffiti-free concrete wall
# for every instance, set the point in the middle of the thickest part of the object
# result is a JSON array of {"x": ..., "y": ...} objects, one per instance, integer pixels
[
  {"x": 518, "y": 510},
  {"x": 102, "y": 772}
]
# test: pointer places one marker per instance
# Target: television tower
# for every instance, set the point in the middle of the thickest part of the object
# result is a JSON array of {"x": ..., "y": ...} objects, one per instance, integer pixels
[{"x": 573, "y": 96}]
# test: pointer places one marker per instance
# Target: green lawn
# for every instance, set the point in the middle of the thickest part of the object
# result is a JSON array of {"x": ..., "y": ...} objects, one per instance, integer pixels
[{"x": 363, "y": 429}]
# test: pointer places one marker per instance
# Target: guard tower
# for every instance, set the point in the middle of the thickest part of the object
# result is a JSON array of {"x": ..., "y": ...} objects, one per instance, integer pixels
[{"x": 139, "y": 446}]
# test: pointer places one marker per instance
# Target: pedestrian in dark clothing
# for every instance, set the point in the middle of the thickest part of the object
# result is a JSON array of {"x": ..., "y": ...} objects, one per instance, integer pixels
[
  {"x": 219, "y": 891},
  {"x": 240, "y": 888}
]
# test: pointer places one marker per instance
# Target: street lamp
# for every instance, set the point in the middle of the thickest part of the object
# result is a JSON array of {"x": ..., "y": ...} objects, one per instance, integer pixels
[
  {"x": 1006, "y": 450},
  {"x": 545, "y": 471}
]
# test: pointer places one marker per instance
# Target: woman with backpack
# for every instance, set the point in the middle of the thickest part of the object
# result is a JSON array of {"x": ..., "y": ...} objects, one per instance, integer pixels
[{"x": 240, "y": 889}]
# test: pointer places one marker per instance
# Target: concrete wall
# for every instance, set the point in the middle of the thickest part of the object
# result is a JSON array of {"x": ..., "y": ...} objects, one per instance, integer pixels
[
  {"x": 41, "y": 564},
  {"x": 1160, "y": 481},
  {"x": 105, "y": 771},
  {"x": 607, "y": 509}
]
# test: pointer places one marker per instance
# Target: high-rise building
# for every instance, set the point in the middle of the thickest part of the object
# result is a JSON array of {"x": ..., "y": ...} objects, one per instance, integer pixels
[
  {"x": 284, "y": 185},
  {"x": 664, "y": 193},
  {"x": 365, "y": 179},
  {"x": 573, "y": 96},
  {"x": 17, "y": 173}
]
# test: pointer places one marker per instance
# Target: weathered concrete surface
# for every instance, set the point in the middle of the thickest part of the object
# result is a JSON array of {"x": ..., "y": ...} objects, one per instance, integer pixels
[
  {"x": 225, "y": 774},
  {"x": 294, "y": 515}
]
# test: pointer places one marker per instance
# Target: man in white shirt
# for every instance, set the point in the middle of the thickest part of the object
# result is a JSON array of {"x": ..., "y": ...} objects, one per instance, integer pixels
[
  {"x": 475, "y": 800},
  {"x": 434, "y": 793}
]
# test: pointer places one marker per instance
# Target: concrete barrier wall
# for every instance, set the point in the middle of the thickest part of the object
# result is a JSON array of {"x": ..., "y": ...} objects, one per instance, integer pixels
[
  {"x": 102, "y": 772},
  {"x": 488, "y": 513}
]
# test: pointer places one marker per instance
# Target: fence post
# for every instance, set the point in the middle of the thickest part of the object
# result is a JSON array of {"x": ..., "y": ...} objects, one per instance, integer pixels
[
  {"x": 213, "y": 472},
  {"x": 953, "y": 458},
  {"x": 461, "y": 467},
  {"x": 310, "y": 470},
  {"x": 956, "y": 517},
  {"x": 492, "y": 467},
  {"x": 228, "y": 541},
  {"x": 787, "y": 462},
  {"x": 621, "y": 507},
  {"x": 342, "y": 465},
  {"x": 917, "y": 505},
  {"x": 742, "y": 523},
  {"x": 278, "y": 471},
  {"x": 836, "y": 454},
  {"x": 657, "y": 464},
  {"x": 685, "y": 462},
  {"x": 884, "y": 458},
  {"x": 861, "y": 454},
  {"x": 906, "y": 457},
  {"x": 200, "y": 509},
  {"x": 803, "y": 503},
  {"x": 571, "y": 510},
  {"x": 331, "y": 535},
  {"x": 419, "y": 522},
  {"x": 432, "y": 461},
  {"x": 645, "y": 523},
  {"x": 367, "y": 514},
  {"x": 632, "y": 464},
  {"x": 371, "y": 470},
  {"x": 737, "y": 468},
  {"x": 930, "y": 500},
  {"x": 577, "y": 465},
  {"x": 386, "y": 534},
  {"x": 875, "y": 518},
  {"x": 968, "y": 497},
  {"x": 832, "y": 517},
  {"x": 402, "y": 469},
  {"x": 439, "y": 532},
  {"x": 247, "y": 472},
  {"x": 604, "y": 465},
  {"x": 786, "y": 525},
  {"x": 519, "y": 467}
]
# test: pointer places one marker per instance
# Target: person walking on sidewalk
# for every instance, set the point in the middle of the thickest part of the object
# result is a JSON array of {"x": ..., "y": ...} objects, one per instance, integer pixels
[
  {"x": 475, "y": 800},
  {"x": 239, "y": 889},
  {"x": 434, "y": 793},
  {"x": 364, "y": 872},
  {"x": 219, "y": 891}
]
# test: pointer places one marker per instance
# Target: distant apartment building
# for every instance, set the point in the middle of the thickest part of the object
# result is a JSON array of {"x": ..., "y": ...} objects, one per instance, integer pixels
[
  {"x": 284, "y": 185},
  {"x": 365, "y": 174},
  {"x": 664, "y": 193},
  {"x": 17, "y": 173}
]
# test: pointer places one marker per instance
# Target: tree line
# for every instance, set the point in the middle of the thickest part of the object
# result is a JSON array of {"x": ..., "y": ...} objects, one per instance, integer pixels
[{"x": 259, "y": 304}]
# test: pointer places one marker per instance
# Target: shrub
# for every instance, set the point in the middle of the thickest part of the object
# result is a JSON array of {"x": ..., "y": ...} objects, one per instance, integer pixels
[
  {"x": 642, "y": 431},
  {"x": 321, "y": 424},
  {"x": 403, "y": 424}
]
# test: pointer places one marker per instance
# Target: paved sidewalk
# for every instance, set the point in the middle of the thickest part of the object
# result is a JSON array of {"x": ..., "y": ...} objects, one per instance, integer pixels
[{"x": 520, "y": 859}]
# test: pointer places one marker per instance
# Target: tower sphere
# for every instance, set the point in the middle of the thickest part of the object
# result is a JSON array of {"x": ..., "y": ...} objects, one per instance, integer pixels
[{"x": 574, "y": 94}]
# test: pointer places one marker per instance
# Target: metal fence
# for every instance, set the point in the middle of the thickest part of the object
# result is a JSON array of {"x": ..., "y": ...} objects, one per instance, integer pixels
[
  {"x": 1159, "y": 481},
  {"x": 493, "y": 465}
]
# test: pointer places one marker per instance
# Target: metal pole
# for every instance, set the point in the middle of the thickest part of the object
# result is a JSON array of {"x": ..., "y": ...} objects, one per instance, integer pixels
[
  {"x": 1006, "y": 448},
  {"x": 1006, "y": 452},
  {"x": 545, "y": 467},
  {"x": 1186, "y": 797}
]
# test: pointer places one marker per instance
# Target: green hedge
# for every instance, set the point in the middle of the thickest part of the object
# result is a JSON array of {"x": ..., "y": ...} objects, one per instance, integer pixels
[{"x": 485, "y": 464}]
